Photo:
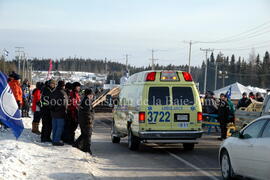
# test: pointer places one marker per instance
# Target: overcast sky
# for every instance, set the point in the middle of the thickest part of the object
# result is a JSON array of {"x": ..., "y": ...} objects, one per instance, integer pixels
[{"x": 112, "y": 28}]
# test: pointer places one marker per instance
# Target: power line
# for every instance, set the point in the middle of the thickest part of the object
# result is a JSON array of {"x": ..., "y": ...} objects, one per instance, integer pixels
[
  {"x": 242, "y": 49},
  {"x": 236, "y": 37},
  {"x": 247, "y": 75},
  {"x": 153, "y": 59}
]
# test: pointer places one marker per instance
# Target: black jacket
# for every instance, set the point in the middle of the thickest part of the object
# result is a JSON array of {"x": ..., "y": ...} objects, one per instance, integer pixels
[
  {"x": 260, "y": 99},
  {"x": 210, "y": 106},
  {"x": 58, "y": 103},
  {"x": 223, "y": 112},
  {"x": 86, "y": 113},
  {"x": 244, "y": 102},
  {"x": 45, "y": 99}
]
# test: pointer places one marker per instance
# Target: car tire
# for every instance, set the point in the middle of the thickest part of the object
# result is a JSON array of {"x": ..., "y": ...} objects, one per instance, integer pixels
[
  {"x": 114, "y": 138},
  {"x": 188, "y": 146},
  {"x": 226, "y": 167},
  {"x": 133, "y": 141}
]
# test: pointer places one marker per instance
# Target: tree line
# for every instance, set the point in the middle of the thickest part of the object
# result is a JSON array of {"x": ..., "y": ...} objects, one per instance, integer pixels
[{"x": 255, "y": 70}]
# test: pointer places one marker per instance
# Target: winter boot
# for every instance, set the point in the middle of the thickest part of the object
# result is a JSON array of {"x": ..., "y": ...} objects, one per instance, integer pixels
[{"x": 35, "y": 128}]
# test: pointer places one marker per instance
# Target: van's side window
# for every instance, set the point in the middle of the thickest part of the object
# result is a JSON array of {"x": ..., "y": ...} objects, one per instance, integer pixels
[
  {"x": 159, "y": 96},
  {"x": 182, "y": 96}
]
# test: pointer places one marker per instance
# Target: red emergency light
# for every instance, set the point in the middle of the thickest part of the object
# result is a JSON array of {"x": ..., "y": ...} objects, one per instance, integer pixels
[
  {"x": 151, "y": 76},
  {"x": 187, "y": 76}
]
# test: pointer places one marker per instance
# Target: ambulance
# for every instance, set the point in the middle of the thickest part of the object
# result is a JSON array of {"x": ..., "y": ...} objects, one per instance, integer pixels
[{"x": 158, "y": 107}]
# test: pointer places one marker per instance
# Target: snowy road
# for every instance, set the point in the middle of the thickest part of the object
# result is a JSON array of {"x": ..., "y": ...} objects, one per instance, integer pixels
[
  {"x": 30, "y": 159},
  {"x": 116, "y": 161}
]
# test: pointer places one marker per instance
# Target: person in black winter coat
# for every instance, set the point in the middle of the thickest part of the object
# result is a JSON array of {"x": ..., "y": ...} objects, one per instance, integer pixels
[
  {"x": 58, "y": 107},
  {"x": 86, "y": 118},
  {"x": 45, "y": 111},
  {"x": 210, "y": 105},
  {"x": 244, "y": 102},
  {"x": 223, "y": 116},
  {"x": 259, "y": 97}
]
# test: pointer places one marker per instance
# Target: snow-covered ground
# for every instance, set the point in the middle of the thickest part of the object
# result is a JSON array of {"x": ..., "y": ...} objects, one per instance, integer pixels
[
  {"x": 27, "y": 158},
  {"x": 72, "y": 76}
]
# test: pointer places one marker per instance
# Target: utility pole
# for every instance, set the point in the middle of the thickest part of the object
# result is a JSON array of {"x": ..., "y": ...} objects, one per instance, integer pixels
[
  {"x": 127, "y": 70},
  {"x": 127, "y": 62},
  {"x": 189, "y": 55},
  {"x": 31, "y": 70},
  {"x": 23, "y": 70},
  {"x": 189, "y": 52},
  {"x": 106, "y": 65},
  {"x": 216, "y": 67},
  {"x": 216, "y": 70},
  {"x": 205, "y": 73},
  {"x": 5, "y": 55},
  {"x": 19, "y": 50},
  {"x": 153, "y": 59}
]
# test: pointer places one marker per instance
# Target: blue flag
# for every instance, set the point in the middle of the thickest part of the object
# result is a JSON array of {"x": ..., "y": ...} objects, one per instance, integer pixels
[
  {"x": 229, "y": 93},
  {"x": 10, "y": 114}
]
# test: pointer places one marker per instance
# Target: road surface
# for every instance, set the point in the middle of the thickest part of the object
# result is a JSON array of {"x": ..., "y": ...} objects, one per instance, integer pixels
[{"x": 116, "y": 161}]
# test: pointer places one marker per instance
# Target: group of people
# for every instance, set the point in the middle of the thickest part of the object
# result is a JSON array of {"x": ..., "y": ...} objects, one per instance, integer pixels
[
  {"x": 225, "y": 108},
  {"x": 245, "y": 101},
  {"x": 61, "y": 109},
  {"x": 21, "y": 92}
]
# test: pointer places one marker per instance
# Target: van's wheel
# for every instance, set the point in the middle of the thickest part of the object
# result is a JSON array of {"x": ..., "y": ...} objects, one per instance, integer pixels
[
  {"x": 188, "y": 146},
  {"x": 226, "y": 167},
  {"x": 115, "y": 139},
  {"x": 133, "y": 141}
]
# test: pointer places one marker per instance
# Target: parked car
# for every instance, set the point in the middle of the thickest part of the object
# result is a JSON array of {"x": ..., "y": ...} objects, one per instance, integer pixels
[{"x": 247, "y": 153}]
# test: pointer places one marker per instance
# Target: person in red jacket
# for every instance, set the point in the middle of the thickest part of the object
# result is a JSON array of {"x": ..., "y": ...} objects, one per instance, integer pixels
[
  {"x": 72, "y": 117},
  {"x": 36, "y": 107},
  {"x": 15, "y": 86}
]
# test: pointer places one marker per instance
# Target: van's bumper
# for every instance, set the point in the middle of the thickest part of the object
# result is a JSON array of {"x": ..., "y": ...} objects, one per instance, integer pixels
[{"x": 170, "y": 135}]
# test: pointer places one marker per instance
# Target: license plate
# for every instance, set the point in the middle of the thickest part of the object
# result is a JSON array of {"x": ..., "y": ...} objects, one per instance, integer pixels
[
  {"x": 182, "y": 117},
  {"x": 183, "y": 125}
]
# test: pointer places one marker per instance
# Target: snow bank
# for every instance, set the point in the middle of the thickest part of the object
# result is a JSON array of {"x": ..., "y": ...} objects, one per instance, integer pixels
[{"x": 27, "y": 158}]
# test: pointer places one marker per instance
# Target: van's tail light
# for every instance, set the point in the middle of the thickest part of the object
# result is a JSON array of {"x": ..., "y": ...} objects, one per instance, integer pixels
[
  {"x": 187, "y": 76},
  {"x": 151, "y": 76},
  {"x": 141, "y": 117},
  {"x": 199, "y": 117}
]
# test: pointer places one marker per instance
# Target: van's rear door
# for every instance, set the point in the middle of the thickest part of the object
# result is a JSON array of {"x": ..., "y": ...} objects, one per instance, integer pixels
[
  {"x": 157, "y": 116},
  {"x": 184, "y": 109}
]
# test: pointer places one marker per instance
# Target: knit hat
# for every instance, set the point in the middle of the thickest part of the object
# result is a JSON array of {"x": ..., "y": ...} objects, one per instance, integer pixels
[
  {"x": 69, "y": 86},
  {"x": 75, "y": 84},
  {"x": 88, "y": 92},
  {"x": 222, "y": 94},
  {"x": 15, "y": 76},
  {"x": 52, "y": 81},
  {"x": 61, "y": 83}
]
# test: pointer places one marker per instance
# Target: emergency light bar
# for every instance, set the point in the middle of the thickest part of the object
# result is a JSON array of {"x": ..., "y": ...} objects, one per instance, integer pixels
[{"x": 169, "y": 76}]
